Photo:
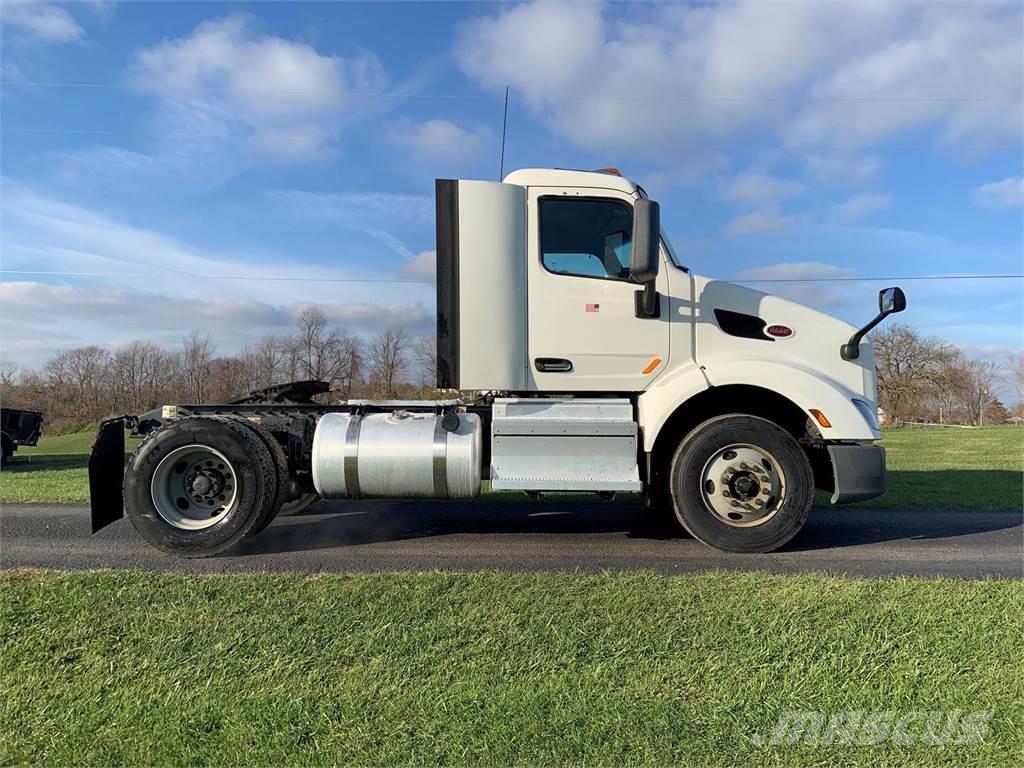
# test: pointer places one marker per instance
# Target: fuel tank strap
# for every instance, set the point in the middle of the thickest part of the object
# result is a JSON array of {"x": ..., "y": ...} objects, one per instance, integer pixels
[
  {"x": 351, "y": 460},
  {"x": 440, "y": 460}
]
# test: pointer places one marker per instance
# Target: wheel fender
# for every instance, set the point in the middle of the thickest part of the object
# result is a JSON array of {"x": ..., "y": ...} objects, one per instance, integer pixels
[{"x": 807, "y": 388}]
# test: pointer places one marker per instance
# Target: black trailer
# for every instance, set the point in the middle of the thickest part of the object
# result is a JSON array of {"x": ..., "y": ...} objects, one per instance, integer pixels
[{"x": 19, "y": 427}]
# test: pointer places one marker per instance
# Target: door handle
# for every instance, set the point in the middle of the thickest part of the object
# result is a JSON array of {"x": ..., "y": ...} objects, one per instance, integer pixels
[{"x": 553, "y": 365}]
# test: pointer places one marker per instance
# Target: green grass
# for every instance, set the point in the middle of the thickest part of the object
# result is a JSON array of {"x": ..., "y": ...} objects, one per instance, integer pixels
[
  {"x": 928, "y": 468},
  {"x": 949, "y": 468},
  {"x": 53, "y": 471},
  {"x": 494, "y": 669}
]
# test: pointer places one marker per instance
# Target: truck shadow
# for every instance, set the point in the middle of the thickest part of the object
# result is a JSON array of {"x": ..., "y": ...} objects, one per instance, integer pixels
[{"x": 341, "y": 524}]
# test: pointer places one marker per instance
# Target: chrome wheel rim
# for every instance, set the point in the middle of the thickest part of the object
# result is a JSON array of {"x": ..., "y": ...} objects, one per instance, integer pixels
[
  {"x": 194, "y": 487},
  {"x": 743, "y": 485}
]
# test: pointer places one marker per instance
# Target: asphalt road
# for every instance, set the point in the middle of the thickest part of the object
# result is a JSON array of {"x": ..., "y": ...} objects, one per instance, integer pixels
[{"x": 546, "y": 535}]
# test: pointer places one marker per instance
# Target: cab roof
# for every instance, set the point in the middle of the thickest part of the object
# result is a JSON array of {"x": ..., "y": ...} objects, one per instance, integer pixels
[{"x": 564, "y": 177}]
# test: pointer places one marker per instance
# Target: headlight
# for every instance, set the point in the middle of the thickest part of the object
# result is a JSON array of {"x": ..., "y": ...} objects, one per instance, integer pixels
[{"x": 869, "y": 412}]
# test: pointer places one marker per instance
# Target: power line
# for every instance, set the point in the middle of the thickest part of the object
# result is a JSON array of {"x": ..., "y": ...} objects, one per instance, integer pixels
[
  {"x": 550, "y": 97},
  {"x": 870, "y": 279},
  {"x": 283, "y": 278}
]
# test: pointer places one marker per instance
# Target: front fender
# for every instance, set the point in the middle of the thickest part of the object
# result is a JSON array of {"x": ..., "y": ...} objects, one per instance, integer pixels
[
  {"x": 803, "y": 387},
  {"x": 807, "y": 388}
]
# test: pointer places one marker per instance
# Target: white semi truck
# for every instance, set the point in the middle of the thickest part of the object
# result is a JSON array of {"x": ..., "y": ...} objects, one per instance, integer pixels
[{"x": 586, "y": 358}]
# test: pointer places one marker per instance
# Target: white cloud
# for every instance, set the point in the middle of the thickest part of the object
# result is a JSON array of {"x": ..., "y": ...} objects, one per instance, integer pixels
[
  {"x": 377, "y": 214},
  {"x": 422, "y": 267},
  {"x": 287, "y": 100},
  {"x": 842, "y": 167},
  {"x": 46, "y": 22},
  {"x": 859, "y": 207},
  {"x": 43, "y": 232},
  {"x": 795, "y": 270},
  {"x": 374, "y": 210},
  {"x": 757, "y": 222},
  {"x": 689, "y": 76},
  {"x": 1007, "y": 193},
  {"x": 760, "y": 189},
  {"x": 41, "y": 317},
  {"x": 803, "y": 288},
  {"x": 440, "y": 141}
]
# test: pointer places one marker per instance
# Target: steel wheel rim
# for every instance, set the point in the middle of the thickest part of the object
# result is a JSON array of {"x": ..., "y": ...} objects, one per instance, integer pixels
[
  {"x": 194, "y": 487},
  {"x": 743, "y": 485}
]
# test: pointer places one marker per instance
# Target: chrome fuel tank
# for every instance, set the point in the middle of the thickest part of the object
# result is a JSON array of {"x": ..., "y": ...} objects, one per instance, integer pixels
[{"x": 397, "y": 454}]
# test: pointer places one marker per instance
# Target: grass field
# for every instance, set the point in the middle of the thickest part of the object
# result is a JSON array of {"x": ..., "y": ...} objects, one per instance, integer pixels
[
  {"x": 494, "y": 669},
  {"x": 928, "y": 468}
]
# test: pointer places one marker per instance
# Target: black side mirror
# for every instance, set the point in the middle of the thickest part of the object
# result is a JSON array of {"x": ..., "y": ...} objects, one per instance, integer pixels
[
  {"x": 890, "y": 301},
  {"x": 645, "y": 256}
]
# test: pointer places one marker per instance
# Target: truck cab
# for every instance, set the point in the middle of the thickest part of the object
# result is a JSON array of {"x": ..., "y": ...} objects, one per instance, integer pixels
[{"x": 582, "y": 355}]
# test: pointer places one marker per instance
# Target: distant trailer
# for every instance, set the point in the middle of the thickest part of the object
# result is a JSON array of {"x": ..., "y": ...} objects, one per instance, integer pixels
[{"x": 18, "y": 428}]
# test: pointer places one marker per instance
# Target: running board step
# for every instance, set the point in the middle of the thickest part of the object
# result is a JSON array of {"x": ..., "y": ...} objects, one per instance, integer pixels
[{"x": 546, "y": 444}]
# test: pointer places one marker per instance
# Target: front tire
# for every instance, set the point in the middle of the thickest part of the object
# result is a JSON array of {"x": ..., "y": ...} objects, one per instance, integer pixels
[
  {"x": 199, "y": 486},
  {"x": 741, "y": 484}
]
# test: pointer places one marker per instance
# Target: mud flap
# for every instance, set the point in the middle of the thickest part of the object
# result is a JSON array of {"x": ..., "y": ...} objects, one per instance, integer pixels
[{"x": 106, "y": 473}]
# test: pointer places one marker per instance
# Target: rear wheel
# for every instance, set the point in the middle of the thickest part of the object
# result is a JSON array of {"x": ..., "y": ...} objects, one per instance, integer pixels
[
  {"x": 199, "y": 486},
  {"x": 280, "y": 462},
  {"x": 741, "y": 484}
]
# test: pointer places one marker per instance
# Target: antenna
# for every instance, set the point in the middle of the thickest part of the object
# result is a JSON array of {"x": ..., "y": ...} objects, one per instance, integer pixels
[{"x": 504, "y": 125}]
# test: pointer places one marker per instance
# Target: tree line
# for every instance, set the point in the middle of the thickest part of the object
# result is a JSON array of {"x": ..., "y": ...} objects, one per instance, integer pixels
[
  {"x": 77, "y": 387},
  {"x": 920, "y": 378},
  {"x": 925, "y": 379}
]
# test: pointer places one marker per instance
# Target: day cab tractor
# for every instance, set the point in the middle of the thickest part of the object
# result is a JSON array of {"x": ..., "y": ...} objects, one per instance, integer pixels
[{"x": 583, "y": 356}]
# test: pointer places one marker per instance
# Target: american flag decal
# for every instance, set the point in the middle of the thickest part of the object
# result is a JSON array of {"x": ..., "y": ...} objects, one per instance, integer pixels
[{"x": 592, "y": 307}]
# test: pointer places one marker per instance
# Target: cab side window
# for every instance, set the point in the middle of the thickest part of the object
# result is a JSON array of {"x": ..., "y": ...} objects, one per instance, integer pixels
[{"x": 586, "y": 237}]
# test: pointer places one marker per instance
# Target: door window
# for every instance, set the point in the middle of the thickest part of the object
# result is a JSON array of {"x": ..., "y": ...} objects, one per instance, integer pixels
[{"x": 586, "y": 237}]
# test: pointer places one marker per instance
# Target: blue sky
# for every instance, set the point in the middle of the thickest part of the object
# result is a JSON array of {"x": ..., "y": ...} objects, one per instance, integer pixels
[{"x": 162, "y": 151}]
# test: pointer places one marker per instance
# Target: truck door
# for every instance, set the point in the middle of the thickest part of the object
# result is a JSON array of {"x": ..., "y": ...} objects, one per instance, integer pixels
[{"x": 583, "y": 331}]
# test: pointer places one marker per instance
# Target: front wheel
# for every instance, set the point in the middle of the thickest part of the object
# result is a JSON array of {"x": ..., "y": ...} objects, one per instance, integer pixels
[{"x": 741, "y": 484}]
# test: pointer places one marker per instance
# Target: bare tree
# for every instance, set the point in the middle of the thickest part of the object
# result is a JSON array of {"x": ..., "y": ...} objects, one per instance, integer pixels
[
  {"x": 908, "y": 365},
  {"x": 8, "y": 373},
  {"x": 194, "y": 367},
  {"x": 424, "y": 352},
  {"x": 78, "y": 378},
  {"x": 386, "y": 358},
  {"x": 978, "y": 392},
  {"x": 348, "y": 364},
  {"x": 315, "y": 344},
  {"x": 137, "y": 374},
  {"x": 1015, "y": 371}
]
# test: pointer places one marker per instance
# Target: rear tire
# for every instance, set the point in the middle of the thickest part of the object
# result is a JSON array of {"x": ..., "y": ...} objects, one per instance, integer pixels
[
  {"x": 176, "y": 510},
  {"x": 280, "y": 467},
  {"x": 741, "y": 484}
]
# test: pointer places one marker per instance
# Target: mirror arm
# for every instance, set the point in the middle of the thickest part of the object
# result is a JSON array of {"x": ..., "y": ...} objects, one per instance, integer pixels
[
  {"x": 851, "y": 349},
  {"x": 647, "y": 304}
]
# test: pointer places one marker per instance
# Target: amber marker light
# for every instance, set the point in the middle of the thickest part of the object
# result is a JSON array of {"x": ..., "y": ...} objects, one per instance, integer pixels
[
  {"x": 820, "y": 417},
  {"x": 651, "y": 365}
]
